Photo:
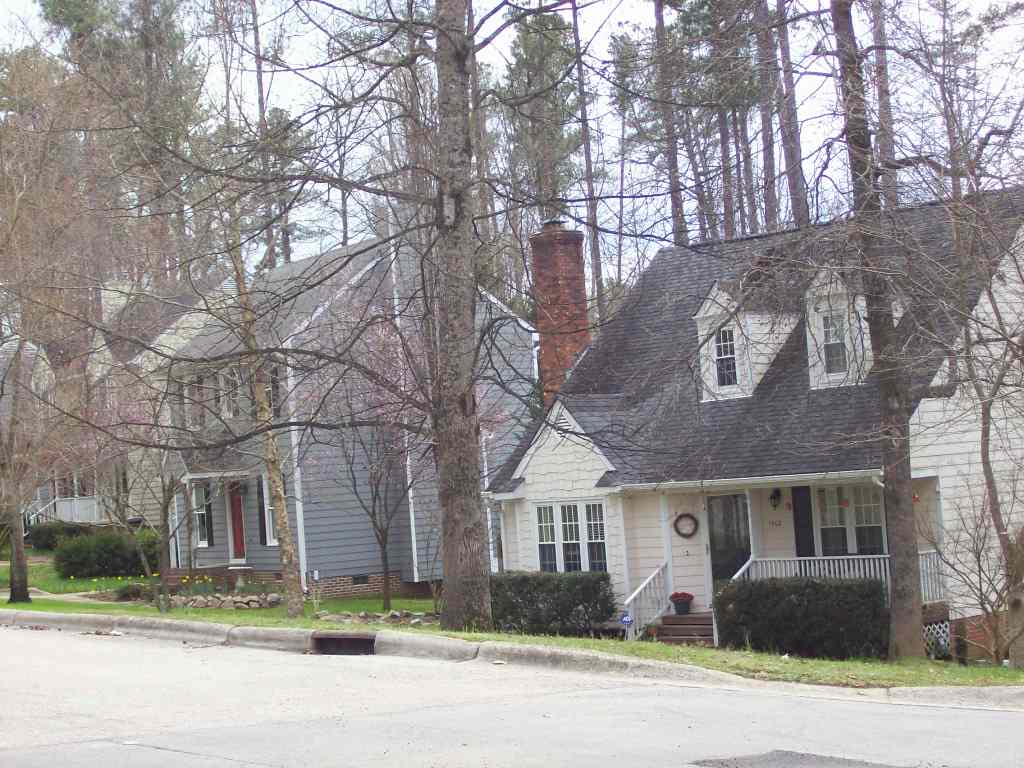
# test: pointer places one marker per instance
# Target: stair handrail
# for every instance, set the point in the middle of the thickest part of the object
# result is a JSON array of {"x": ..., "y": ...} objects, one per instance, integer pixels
[
  {"x": 742, "y": 572},
  {"x": 647, "y": 602}
]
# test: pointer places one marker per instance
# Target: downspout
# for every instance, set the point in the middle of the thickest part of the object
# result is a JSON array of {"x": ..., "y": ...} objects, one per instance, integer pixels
[
  {"x": 295, "y": 442},
  {"x": 410, "y": 494},
  {"x": 491, "y": 549}
]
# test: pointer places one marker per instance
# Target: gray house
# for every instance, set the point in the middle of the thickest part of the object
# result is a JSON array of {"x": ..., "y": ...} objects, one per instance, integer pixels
[{"x": 311, "y": 311}]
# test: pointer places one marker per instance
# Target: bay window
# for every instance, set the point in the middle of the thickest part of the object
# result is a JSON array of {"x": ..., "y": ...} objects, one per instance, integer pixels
[{"x": 576, "y": 542}]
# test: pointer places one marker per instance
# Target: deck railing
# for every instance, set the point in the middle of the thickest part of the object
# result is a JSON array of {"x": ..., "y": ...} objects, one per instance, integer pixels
[
  {"x": 846, "y": 567},
  {"x": 83, "y": 509},
  {"x": 647, "y": 603}
]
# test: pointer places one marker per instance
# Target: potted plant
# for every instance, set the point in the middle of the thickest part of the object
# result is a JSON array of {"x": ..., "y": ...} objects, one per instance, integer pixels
[{"x": 681, "y": 600}]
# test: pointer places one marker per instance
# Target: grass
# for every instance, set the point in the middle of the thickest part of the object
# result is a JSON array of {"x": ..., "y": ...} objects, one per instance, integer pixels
[
  {"x": 857, "y": 673},
  {"x": 43, "y": 576}
]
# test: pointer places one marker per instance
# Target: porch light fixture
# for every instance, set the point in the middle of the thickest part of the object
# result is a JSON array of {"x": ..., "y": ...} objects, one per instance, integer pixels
[{"x": 775, "y": 498}]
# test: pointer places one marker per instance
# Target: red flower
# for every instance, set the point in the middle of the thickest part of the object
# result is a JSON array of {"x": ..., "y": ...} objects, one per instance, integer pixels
[{"x": 681, "y": 597}]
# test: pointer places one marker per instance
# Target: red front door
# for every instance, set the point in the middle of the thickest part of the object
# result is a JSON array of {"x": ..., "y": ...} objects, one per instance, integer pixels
[{"x": 237, "y": 525}]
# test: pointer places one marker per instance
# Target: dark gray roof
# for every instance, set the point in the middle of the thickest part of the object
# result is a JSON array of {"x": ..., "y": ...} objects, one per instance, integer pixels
[
  {"x": 283, "y": 298},
  {"x": 635, "y": 395}
]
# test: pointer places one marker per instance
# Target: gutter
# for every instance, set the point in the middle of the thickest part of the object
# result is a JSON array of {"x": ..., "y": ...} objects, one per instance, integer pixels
[
  {"x": 294, "y": 440},
  {"x": 765, "y": 481}
]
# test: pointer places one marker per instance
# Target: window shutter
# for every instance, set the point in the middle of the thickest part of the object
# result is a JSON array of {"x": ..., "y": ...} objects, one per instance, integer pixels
[
  {"x": 208, "y": 508},
  {"x": 261, "y": 500}
]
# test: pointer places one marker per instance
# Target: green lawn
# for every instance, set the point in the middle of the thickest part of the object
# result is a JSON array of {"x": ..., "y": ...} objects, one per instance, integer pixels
[
  {"x": 762, "y": 666},
  {"x": 43, "y": 576}
]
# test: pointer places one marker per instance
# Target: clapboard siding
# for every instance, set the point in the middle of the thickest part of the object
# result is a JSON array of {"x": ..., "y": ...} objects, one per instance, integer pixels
[{"x": 339, "y": 535}]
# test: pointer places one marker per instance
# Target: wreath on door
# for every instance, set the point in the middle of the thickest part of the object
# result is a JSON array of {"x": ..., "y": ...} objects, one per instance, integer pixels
[{"x": 686, "y": 525}]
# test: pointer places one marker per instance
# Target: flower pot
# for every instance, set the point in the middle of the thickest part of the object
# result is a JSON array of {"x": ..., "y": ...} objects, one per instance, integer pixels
[{"x": 682, "y": 607}]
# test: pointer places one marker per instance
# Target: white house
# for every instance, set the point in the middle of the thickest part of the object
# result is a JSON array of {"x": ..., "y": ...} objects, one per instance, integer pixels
[{"x": 724, "y": 424}]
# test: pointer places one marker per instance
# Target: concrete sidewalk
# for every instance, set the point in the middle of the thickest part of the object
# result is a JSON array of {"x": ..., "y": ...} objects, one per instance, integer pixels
[{"x": 440, "y": 648}]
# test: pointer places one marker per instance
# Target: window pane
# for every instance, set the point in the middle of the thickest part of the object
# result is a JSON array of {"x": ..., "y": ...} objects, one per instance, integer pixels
[
  {"x": 725, "y": 357},
  {"x": 597, "y": 555},
  {"x": 834, "y": 343},
  {"x": 835, "y": 358},
  {"x": 571, "y": 557},
  {"x": 548, "y": 563},
  {"x": 595, "y": 522},
  {"x": 546, "y": 525},
  {"x": 833, "y": 542},
  {"x": 869, "y": 540}
]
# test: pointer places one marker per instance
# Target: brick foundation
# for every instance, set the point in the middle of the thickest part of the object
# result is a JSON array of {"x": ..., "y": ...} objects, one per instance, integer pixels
[
  {"x": 343, "y": 586},
  {"x": 973, "y": 628}
]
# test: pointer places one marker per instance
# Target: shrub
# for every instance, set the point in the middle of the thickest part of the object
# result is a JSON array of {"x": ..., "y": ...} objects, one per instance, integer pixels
[
  {"x": 47, "y": 535},
  {"x": 805, "y": 617},
  {"x": 105, "y": 553},
  {"x": 551, "y": 603}
]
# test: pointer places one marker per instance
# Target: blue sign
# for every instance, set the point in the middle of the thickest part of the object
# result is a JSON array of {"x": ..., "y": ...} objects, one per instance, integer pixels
[{"x": 626, "y": 620}]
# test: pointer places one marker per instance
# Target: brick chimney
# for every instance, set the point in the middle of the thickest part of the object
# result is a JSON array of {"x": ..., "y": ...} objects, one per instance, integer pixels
[{"x": 560, "y": 294}]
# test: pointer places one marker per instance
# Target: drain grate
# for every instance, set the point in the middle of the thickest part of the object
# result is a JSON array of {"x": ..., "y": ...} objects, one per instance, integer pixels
[
  {"x": 783, "y": 759},
  {"x": 342, "y": 643}
]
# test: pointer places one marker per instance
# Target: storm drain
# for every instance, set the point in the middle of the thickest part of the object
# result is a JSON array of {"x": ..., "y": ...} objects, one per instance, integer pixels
[
  {"x": 783, "y": 759},
  {"x": 342, "y": 643}
]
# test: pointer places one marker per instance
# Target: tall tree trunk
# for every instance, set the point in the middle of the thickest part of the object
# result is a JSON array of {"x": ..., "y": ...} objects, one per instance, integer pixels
[
  {"x": 728, "y": 200},
  {"x": 467, "y": 602},
  {"x": 588, "y": 165},
  {"x": 791, "y": 149},
  {"x": 270, "y": 258},
  {"x": 707, "y": 221},
  {"x": 620, "y": 230},
  {"x": 884, "y": 138},
  {"x": 385, "y": 566},
  {"x": 767, "y": 81},
  {"x": 663, "y": 85},
  {"x": 748, "y": 173},
  {"x": 894, "y": 384},
  {"x": 19, "y": 562}
]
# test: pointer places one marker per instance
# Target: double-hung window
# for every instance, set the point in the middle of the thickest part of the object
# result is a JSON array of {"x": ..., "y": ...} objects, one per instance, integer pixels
[
  {"x": 832, "y": 512},
  {"x": 867, "y": 511},
  {"x": 725, "y": 357},
  {"x": 265, "y": 502},
  {"x": 834, "y": 343},
  {"x": 230, "y": 386},
  {"x": 202, "y": 514},
  {"x": 851, "y": 521},
  {"x": 575, "y": 540}
]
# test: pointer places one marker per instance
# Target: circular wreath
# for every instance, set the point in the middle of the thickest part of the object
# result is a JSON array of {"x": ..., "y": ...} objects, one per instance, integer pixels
[{"x": 686, "y": 525}]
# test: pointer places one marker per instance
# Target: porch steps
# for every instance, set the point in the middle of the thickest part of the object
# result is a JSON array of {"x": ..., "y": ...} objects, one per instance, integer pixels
[{"x": 689, "y": 629}]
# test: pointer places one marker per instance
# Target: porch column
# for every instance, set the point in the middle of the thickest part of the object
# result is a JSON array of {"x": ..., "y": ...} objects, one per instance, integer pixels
[
  {"x": 617, "y": 513},
  {"x": 666, "y": 539}
]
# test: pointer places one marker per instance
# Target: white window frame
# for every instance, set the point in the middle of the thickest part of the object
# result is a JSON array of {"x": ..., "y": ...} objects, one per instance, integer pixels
[
  {"x": 734, "y": 343},
  {"x": 849, "y": 518},
  {"x": 230, "y": 383},
  {"x": 829, "y": 317},
  {"x": 199, "y": 531},
  {"x": 583, "y": 532},
  {"x": 268, "y": 513}
]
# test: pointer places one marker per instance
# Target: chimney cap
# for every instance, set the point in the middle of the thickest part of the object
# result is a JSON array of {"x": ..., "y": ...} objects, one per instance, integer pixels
[{"x": 556, "y": 222}]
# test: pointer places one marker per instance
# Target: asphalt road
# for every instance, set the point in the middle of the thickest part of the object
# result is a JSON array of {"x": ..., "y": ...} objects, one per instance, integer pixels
[{"x": 84, "y": 700}]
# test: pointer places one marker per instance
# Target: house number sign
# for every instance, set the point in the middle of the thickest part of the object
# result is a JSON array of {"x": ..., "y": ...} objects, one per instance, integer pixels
[{"x": 686, "y": 525}]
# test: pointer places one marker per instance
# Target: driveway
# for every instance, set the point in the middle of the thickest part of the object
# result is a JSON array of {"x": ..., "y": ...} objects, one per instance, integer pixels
[{"x": 86, "y": 700}]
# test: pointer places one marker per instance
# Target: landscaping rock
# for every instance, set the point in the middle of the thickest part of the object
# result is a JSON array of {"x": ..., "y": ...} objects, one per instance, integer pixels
[
  {"x": 394, "y": 615},
  {"x": 415, "y": 622},
  {"x": 273, "y": 599}
]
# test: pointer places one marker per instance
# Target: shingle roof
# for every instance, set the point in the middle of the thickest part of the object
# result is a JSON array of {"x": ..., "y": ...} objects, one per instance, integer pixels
[{"x": 635, "y": 393}]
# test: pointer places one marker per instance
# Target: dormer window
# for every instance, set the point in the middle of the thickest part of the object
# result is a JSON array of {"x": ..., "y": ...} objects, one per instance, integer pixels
[
  {"x": 834, "y": 344},
  {"x": 725, "y": 357}
]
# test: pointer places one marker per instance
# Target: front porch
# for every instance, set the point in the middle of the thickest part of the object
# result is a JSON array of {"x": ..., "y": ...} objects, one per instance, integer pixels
[{"x": 821, "y": 531}]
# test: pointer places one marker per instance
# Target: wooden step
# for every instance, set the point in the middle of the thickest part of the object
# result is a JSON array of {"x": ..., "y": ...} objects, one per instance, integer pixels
[
  {"x": 688, "y": 619},
  {"x": 674, "y": 630}
]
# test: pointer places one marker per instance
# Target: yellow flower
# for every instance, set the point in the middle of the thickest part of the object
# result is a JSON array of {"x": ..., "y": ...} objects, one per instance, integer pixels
[
  {"x": 118, "y": 578},
  {"x": 156, "y": 574},
  {"x": 71, "y": 578},
  {"x": 95, "y": 580}
]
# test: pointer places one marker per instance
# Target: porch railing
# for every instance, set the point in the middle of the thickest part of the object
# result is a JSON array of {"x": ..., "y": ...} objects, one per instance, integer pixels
[
  {"x": 647, "y": 603},
  {"x": 83, "y": 509},
  {"x": 846, "y": 567}
]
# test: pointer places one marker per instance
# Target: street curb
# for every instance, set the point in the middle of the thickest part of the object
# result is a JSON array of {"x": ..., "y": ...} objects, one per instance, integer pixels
[
  {"x": 424, "y": 646},
  {"x": 74, "y": 621},
  {"x": 593, "y": 661},
  {"x": 173, "y": 629},
  {"x": 271, "y": 638}
]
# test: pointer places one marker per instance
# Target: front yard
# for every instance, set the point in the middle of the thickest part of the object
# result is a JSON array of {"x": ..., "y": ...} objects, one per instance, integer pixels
[{"x": 761, "y": 666}]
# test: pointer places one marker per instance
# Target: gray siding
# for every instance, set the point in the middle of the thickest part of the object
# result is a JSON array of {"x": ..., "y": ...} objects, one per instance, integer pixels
[{"x": 339, "y": 536}]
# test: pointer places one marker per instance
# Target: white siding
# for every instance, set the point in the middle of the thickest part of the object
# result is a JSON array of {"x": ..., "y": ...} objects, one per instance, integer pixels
[
  {"x": 773, "y": 526},
  {"x": 562, "y": 468}
]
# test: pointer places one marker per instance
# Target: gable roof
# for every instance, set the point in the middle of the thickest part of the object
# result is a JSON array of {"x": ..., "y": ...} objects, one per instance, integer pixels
[{"x": 636, "y": 392}]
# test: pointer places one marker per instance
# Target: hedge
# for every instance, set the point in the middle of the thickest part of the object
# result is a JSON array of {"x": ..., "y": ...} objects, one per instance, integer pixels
[
  {"x": 805, "y": 617},
  {"x": 551, "y": 603},
  {"x": 47, "y": 535},
  {"x": 105, "y": 553}
]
